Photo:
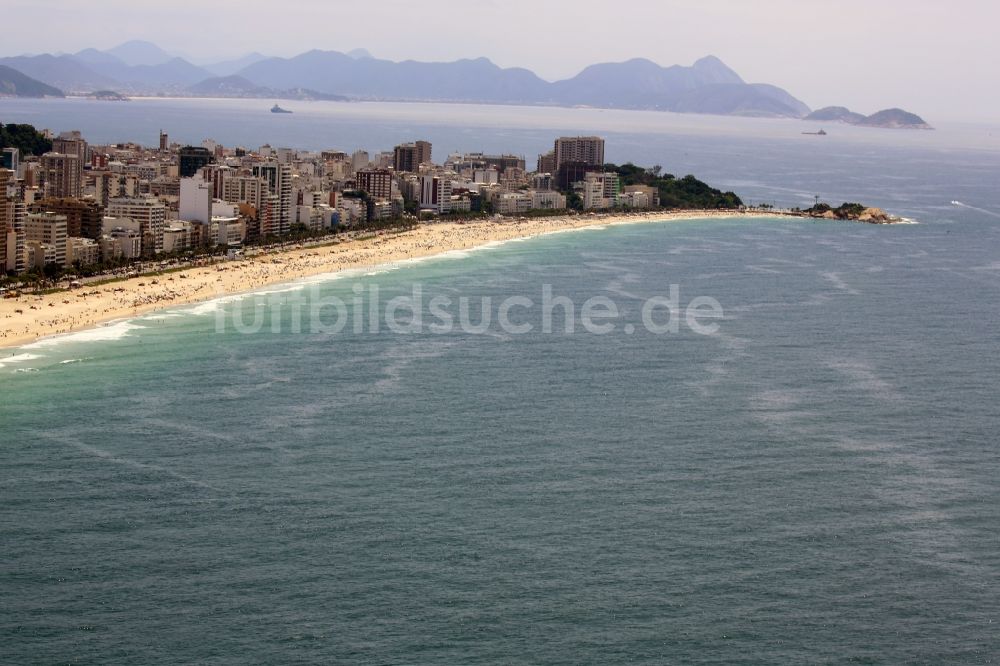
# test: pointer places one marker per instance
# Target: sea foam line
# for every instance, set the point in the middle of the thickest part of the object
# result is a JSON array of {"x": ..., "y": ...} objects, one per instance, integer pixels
[
  {"x": 19, "y": 358},
  {"x": 121, "y": 328},
  {"x": 103, "y": 333}
]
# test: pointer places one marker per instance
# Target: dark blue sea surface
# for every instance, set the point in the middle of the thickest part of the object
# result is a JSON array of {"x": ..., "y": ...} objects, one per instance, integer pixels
[{"x": 817, "y": 481}]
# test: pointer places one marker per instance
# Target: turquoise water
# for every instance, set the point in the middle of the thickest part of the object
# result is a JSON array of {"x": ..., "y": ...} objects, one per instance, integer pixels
[{"x": 814, "y": 482}]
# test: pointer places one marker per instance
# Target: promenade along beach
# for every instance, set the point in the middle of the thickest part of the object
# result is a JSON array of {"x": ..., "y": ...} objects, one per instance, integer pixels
[{"x": 32, "y": 316}]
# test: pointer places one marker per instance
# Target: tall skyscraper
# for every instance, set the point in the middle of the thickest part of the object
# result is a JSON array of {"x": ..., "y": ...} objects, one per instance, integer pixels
[
  {"x": 279, "y": 182},
  {"x": 164, "y": 141},
  {"x": 3, "y": 236},
  {"x": 71, "y": 143},
  {"x": 11, "y": 228},
  {"x": 376, "y": 182},
  {"x": 61, "y": 175},
  {"x": 5, "y": 176},
  {"x": 409, "y": 156},
  {"x": 586, "y": 149},
  {"x": 193, "y": 158}
]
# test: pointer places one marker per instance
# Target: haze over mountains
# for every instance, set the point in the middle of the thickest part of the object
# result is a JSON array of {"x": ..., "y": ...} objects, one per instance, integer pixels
[
  {"x": 707, "y": 86},
  {"x": 14, "y": 83}
]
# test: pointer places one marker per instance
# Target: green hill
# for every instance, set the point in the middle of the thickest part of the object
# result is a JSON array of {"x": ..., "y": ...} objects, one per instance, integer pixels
[
  {"x": 895, "y": 119},
  {"x": 686, "y": 192},
  {"x": 25, "y": 138}
]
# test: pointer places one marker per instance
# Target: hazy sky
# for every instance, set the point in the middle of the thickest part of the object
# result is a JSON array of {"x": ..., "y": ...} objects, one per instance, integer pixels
[{"x": 938, "y": 59}]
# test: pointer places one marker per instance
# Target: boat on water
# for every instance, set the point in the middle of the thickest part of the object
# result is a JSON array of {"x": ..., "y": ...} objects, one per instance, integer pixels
[
  {"x": 278, "y": 109},
  {"x": 822, "y": 132}
]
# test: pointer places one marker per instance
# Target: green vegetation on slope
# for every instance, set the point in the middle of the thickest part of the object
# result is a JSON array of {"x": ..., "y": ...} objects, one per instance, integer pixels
[
  {"x": 25, "y": 138},
  {"x": 686, "y": 192}
]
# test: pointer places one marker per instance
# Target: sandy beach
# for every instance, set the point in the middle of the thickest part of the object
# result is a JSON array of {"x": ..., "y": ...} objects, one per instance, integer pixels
[{"x": 30, "y": 317}]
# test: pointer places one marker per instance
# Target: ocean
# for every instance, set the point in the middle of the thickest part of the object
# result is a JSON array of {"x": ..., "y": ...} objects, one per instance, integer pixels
[{"x": 814, "y": 479}]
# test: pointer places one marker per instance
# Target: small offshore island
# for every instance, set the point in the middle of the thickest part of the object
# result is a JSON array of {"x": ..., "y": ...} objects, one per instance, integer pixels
[
  {"x": 141, "y": 229},
  {"x": 885, "y": 119},
  {"x": 853, "y": 212},
  {"x": 108, "y": 96}
]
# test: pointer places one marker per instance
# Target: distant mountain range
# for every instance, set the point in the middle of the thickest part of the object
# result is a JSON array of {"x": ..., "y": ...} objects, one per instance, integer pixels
[
  {"x": 237, "y": 86},
  {"x": 708, "y": 86},
  {"x": 15, "y": 84}
]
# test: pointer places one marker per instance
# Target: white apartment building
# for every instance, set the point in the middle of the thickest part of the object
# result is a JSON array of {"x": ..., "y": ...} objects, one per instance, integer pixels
[
  {"x": 86, "y": 251},
  {"x": 195, "y": 203},
  {"x": 120, "y": 242},
  {"x": 511, "y": 203},
  {"x": 151, "y": 215},
  {"x": 633, "y": 200},
  {"x": 48, "y": 229},
  {"x": 547, "y": 200},
  {"x": 435, "y": 194}
]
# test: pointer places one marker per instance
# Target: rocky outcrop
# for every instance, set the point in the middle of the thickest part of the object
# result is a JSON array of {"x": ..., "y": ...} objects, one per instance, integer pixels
[
  {"x": 851, "y": 211},
  {"x": 886, "y": 119},
  {"x": 875, "y": 216}
]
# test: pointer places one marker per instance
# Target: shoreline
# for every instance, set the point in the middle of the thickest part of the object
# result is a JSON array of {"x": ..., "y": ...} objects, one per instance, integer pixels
[{"x": 31, "y": 318}]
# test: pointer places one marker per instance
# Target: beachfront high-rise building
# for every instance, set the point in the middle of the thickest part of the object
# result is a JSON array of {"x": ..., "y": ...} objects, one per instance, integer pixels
[
  {"x": 45, "y": 234},
  {"x": 376, "y": 182},
  {"x": 12, "y": 214},
  {"x": 5, "y": 176},
  {"x": 279, "y": 183},
  {"x": 83, "y": 216},
  {"x": 599, "y": 190},
  {"x": 409, "y": 156},
  {"x": 245, "y": 189},
  {"x": 60, "y": 175},
  {"x": 570, "y": 173},
  {"x": 435, "y": 194},
  {"x": 586, "y": 149},
  {"x": 164, "y": 141},
  {"x": 151, "y": 215},
  {"x": 192, "y": 158},
  {"x": 3, "y": 238},
  {"x": 195, "y": 204}
]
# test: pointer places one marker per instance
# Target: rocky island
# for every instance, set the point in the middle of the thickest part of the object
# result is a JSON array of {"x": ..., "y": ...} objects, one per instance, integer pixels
[
  {"x": 854, "y": 212},
  {"x": 108, "y": 96},
  {"x": 886, "y": 119}
]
